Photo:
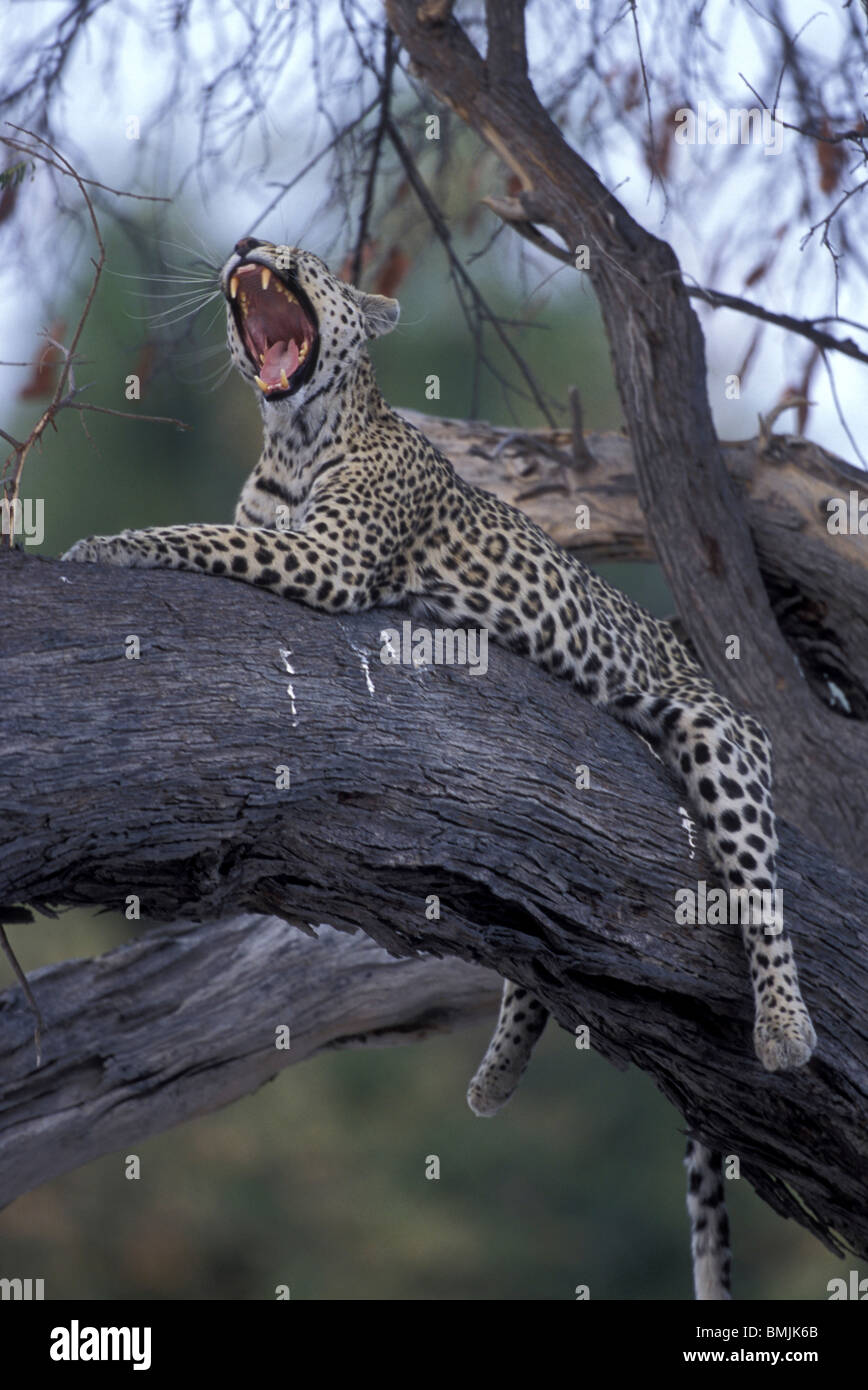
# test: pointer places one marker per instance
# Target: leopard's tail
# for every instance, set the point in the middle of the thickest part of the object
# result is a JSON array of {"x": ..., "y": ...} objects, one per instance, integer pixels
[
  {"x": 520, "y": 1023},
  {"x": 709, "y": 1224}
]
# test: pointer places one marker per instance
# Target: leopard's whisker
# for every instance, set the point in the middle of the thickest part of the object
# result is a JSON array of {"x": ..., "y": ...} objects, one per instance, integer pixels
[
  {"x": 185, "y": 292},
  {"x": 204, "y": 256},
  {"x": 177, "y": 313},
  {"x": 220, "y": 376},
  {"x": 156, "y": 278}
]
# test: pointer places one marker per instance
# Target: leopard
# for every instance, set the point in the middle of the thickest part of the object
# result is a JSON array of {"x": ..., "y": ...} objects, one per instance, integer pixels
[{"x": 350, "y": 508}]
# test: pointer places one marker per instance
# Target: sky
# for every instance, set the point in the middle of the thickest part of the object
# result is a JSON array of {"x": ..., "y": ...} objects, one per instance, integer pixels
[{"x": 117, "y": 78}]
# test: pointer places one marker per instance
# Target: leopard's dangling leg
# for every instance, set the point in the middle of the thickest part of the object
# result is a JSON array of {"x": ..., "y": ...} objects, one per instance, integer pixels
[
  {"x": 520, "y": 1023},
  {"x": 723, "y": 759},
  {"x": 709, "y": 1223}
]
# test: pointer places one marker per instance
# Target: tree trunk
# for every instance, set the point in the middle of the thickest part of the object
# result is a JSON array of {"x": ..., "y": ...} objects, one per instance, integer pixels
[{"x": 694, "y": 514}]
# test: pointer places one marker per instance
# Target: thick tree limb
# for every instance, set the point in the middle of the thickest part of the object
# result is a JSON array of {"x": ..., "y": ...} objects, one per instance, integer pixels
[
  {"x": 157, "y": 777},
  {"x": 693, "y": 512},
  {"x": 183, "y": 1021}
]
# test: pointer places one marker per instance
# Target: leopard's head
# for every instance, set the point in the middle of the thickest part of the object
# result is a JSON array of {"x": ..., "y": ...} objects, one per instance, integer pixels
[{"x": 295, "y": 329}]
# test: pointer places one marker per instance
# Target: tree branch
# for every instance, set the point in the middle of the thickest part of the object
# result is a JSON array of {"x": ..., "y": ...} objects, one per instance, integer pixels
[
  {"x": 385, "y": 97},
  {"x": 694, "y": 514},
  {"x": 112, "y": 1076},
  {"x": 512, "y": 212},
  {"x": 805, "y": 328},
  {"x": 506, "y": 59},
  {"x": 157, "y": 777}
]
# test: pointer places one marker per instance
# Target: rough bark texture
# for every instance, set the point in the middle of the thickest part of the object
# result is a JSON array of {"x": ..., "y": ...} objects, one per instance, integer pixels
[
  {"x": 157, "y": 777},
  {"x": 694, "y": 515},
  {"x": 183, "y": 1021}
]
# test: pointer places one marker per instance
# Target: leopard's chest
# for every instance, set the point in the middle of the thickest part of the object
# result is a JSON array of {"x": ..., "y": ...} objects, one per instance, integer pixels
[{"x": 270, "y": 498}]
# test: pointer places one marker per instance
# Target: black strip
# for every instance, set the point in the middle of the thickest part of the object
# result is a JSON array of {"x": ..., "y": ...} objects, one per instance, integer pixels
[
  {"x": 273, "y": 488},
  {"x": 330, "y": 463}
]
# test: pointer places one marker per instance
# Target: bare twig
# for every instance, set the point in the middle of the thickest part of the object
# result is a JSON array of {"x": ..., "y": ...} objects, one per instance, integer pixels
[
  {"x": 461, "y": 279},
  {"x": 65, "y": 390},
  {"x": 371, "y": 181},
  {"x": 653, "y": 161},
  {"x": 80, "y": 178},
  {"x": 48, "y": 416},
  {"x": 512, "y": 211},
  {"x": 789, "y": 401},
  {"x": 332, "y": 144},
  {"x": 85, "y": 407},
  {"x": 805, "y": 328},
  {"x": 583, "y": 459},
  {"x": 28, "y": 993}
]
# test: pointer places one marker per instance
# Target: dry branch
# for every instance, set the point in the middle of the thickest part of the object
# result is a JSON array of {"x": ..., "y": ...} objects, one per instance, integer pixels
[
  {"x": 157, "y": 777},
  {"x": 183, "y": 1021},
  {"x": 65, "y": 390}
]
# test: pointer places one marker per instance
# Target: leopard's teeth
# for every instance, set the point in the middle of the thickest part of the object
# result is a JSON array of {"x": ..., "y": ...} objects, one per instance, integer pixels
[
  {"x": 302, "y": 352},
  {"x": 284, "y": 380},
  {"x": 233, "y": 286},
  {"x": 260, "y": 383},
  {"x": 264, "y": 277},
  {"x": 261, "y": 358}
]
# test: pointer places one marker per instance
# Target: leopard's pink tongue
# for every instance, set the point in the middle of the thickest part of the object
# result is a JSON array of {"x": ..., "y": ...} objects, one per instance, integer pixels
[{"x": 280, "y": 357}]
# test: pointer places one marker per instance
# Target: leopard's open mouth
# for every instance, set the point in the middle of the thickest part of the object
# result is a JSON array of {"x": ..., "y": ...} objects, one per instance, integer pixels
[{"x": 277, "y": 327}]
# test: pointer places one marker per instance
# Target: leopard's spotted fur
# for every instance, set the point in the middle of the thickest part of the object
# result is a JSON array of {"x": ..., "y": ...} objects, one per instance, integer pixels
[{"x": 350, "y": 506}]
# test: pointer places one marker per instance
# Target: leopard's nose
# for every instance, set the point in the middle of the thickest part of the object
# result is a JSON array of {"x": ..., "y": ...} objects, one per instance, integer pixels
[{"x": 246, "y": 245}]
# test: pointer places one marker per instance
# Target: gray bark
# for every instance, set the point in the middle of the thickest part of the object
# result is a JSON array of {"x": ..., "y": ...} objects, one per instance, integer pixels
[
  {"x": 156, "y": 777},
  {"x": 183, "y": 1021}
]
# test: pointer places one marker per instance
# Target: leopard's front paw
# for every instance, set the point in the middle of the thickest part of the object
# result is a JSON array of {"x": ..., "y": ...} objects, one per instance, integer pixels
[
  {"x": 112, "y": 550},
  {"x": 784, "y": 1036},
  {"x": 85, "y": 551}
]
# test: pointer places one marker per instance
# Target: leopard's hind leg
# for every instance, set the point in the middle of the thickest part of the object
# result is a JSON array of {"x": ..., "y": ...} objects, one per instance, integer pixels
[{"x": 723, "y": 759}]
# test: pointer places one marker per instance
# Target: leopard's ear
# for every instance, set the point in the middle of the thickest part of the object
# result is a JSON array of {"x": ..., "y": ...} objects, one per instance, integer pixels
[{"x": 379, "y": 313}]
